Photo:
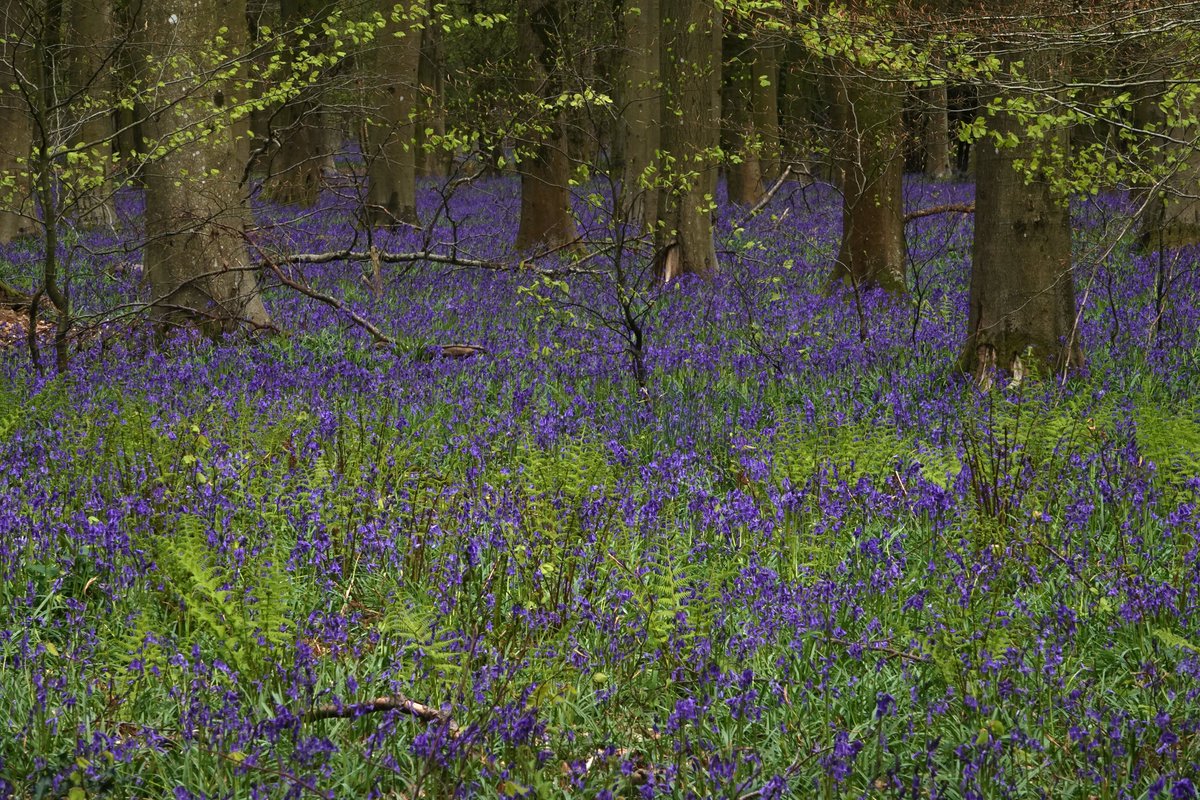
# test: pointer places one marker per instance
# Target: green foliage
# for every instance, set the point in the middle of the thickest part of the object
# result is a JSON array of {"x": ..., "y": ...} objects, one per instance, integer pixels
[
  {"x": 856, "y": 450},
  {"x": 576, "y": 469},
  {"x": 242, "y": 613},
  {"x": 11, "y": 412},
  {"x": 411, "y": 618},
  {"x": 1169, "y": 439}
]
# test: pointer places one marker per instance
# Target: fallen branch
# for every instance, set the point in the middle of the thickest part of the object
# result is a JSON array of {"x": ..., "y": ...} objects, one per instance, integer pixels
[
  {"x": 949, "y": 208},
  {"x": 380, "y": 256},
  {"x": 398, "y": 702},
  {"x": 461, "y": 350},
  {"x": 16, "y": 300},
  {"x": 766, "y": 198},
  {"x": 303, "y": 288},
  {"x": 883, "y": 648}
]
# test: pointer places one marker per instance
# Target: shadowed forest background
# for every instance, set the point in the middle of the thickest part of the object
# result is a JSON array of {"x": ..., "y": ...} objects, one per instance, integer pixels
[{"x": 650, "y": 398}]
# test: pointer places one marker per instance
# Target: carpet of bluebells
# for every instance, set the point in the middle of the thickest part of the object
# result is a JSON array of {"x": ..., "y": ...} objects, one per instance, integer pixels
[{"x": 808, "y": 558}]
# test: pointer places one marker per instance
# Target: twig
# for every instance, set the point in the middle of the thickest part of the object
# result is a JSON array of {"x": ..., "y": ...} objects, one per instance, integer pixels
[
  {"x": 880, "y": 647},
  {"x": 766, "y": 198},
  {"x": 396, "y": 702},
  {"x": 949, "y": 208},
  {"x": 328, "y": 300}
]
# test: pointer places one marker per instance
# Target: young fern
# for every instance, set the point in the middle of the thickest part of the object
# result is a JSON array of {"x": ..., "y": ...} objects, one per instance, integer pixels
[
  {"x": 1170, "y": 440},
  {"x": 413, "y": 622},
  {"x": 10, "y": 413},
  {"x": 244, "y": 628}
]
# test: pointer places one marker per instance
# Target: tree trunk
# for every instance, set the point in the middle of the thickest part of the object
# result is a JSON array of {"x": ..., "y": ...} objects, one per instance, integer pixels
[
  {"x": 90, "y": 80},
  {"x": 195, "y": 256},
  {"x": 433, "y": 160},
  {"x": 1022, "y": 294},
  {"x": 937, "y": 134},
  {"x": 744, "y": 168},
  {"x": 641, "y": 110},
  {"x": 764, "y": 99},
  {"x": 691, "y": 137},
  {"x": 1172, "y": 215},
  {"x": 391, "y": 146},
  {"x": 869, "y": 159},
  {"x": 545, "y": 168},
  {"x": 128, "y": 135},
  {"x": 801, "y": 112},
  {"x": 294, "y": 168},
  {"x": 16, "y": 206}
]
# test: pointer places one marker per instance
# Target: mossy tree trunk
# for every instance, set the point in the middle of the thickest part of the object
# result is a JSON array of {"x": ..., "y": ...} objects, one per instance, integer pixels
[
  {"x": 1171, "y": 217},
  {"x": 764, "y": 100},
  {"x": 744, "y": 167},
  {"x": 433, "y": 160},
  {"x": 936, "y": 118},
  {"x": 90, "y": 79}
]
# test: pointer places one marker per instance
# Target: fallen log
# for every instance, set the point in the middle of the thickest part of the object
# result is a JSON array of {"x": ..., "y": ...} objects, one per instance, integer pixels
[
  {"x": 949, "y": 208},
  {"x": 398, "y": 702},
  {"x": 462, "y": 350}
]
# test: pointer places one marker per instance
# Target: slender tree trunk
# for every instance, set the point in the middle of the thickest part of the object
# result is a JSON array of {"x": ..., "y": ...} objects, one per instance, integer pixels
[
  {"x": 545, "y": 170},
  {"x": 1022, "y": 297},
  {"x": 128, "y": 136},
  {"x": 261, "y": 15},
  {"x": 433, "y": 159},
  {"x": 641, "y": 109},
  {"x": 691, "y": 136},
  {"x": 745, "y": 170},
  {"x": 937, "y": 133},
  {"x": 195, "y": 256},
  {"x": 800, "y": 109},
  {"x": 294, "y": 169},
  {"x": 870, "y": 162},
  {"x": 90, "y": 77},
  {"x": 17, "y": 140},
  {"x": 1172, "y": 216},
  {"x": 764, "y": 99},
  {"x": 391, "y": 146}
]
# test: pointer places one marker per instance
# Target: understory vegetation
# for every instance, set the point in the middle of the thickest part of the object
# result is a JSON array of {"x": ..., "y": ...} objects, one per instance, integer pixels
[{"x": 806, "y": 558}]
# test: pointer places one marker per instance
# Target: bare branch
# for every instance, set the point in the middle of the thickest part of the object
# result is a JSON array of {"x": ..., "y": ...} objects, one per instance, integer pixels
[
  {"x": 397, "y": 702},
  {"x": 949, "y": 208}
]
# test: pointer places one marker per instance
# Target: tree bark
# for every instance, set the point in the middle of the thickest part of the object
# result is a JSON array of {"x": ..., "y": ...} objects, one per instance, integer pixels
[
  {"x": 691, "y": 133},
  {"x": 936, "y": 133},
  {"x": 391, "y": 139},
  {"x": 433, "y": 160},
  {"x": 764, "y": 100},
  {"x": 1022, "y": 300},
  {"x": 801, "y": 112},
  {"x": 869, "y": 159},
  {"x": 15, "y": 202},
  {"x": 744, "y": 168},
  {"x": 90, "y": 79},
  {"x": 294, "y": 168},
  {"x": 1172, "y": 215},
  {"x": 641, "y": 110},
  {"x": 195, "y": 256},
  {"x": 545, "y": 168}
]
